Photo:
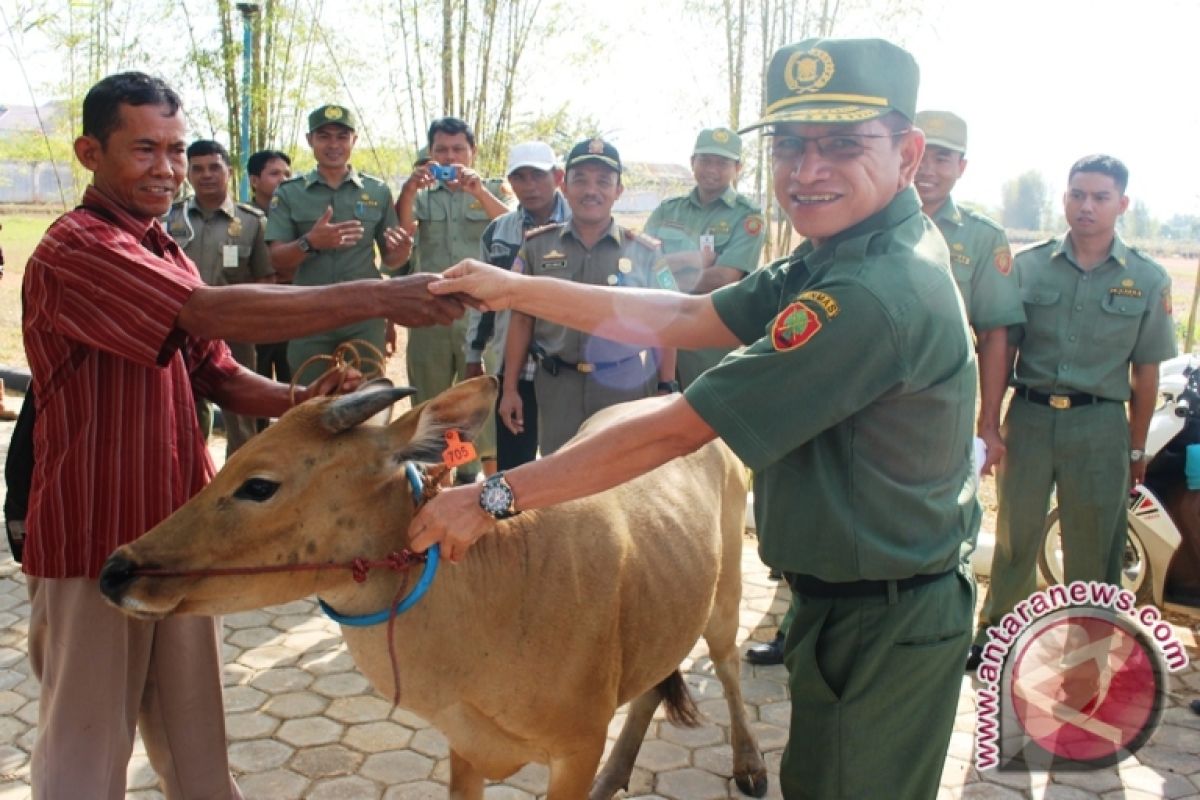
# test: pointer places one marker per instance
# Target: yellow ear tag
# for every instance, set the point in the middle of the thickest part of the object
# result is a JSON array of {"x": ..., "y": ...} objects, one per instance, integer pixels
[{"x": 457, "y": 451}]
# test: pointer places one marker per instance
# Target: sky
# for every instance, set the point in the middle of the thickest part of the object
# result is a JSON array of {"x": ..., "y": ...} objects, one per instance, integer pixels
[{"x": 1040, "y": 83}]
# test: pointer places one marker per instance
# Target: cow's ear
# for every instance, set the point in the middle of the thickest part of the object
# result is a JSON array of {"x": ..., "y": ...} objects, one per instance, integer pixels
[
  {"x": 350, "y": 410},
  {"x": 463, "y": 407}
]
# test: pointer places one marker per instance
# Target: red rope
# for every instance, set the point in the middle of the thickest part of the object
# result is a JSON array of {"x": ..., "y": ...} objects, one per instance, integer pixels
[{"x": 359, "y": 567}]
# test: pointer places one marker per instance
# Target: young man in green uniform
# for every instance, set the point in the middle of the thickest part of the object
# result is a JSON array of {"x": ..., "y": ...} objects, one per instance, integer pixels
[
  {"x": 225, "y": 240},
  {"x": 582, "y": 374},
  {"x": 324, "y": 227},
  {"x": 712, "y": 236},
  {"x": 854, "y": 398},
  {"x": 1098, "y": 325},
  {"x": 982, "y": 263},
  {"x": 268, "y": 169}
]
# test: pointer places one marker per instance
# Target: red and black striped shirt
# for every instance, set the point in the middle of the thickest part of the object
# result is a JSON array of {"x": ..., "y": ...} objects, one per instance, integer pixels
[{"x": 117, "y": 446}]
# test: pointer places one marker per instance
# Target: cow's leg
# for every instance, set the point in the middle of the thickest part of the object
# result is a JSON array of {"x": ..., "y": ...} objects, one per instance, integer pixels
[
  {"x": 571, "y": 774},
  {"x": 466, "y": 782},
  {"x": 749, "y": 769},
  {"x": 618, "y": 768}
]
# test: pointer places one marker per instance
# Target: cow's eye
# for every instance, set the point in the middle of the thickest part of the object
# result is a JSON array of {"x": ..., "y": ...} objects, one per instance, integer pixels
[{"x": 257, "y": 490}]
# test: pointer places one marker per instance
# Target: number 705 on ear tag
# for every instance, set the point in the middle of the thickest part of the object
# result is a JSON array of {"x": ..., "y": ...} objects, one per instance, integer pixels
[{"x": 457, "y": 451}]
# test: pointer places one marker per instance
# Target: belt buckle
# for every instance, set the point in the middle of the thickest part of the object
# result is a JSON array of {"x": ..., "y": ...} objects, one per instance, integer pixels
[
  {"x": 1060, "y": 401},
  {"x": 585, "y": 367}
]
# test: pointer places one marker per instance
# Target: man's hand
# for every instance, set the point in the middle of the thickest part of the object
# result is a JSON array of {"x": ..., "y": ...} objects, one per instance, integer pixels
[
  {"x": 1137, "y": 471},
  {"x": 336, "y": 382},
  {"x": 490, "y": 287},
  {"x": 474, "y": 370},
  {"x": 467, "y": 180},
  {"x": 995, "y": 449},
  {"x": 511, "y": 412},
  {"x": 452, "y": 519},
  {"x": 397, "y": 241},
  {"x": 421, "y": 178},
  {"x": 389, "y": 342},
  {"x": 326, "y": 235},
  {"x": 408, "y": 302}
]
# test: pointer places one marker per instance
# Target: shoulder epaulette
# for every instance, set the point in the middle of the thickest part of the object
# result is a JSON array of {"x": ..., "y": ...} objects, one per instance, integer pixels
[
  {"x": 644, "y": 239},
  {"x": 532, "y": 232},
  {"x": 748, "y": 203},
  {"x": 978, "y": 217},
  {"x": 250, "y": 208}
]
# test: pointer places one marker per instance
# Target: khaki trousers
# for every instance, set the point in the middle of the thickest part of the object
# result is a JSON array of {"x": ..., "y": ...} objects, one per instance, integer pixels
[{"x": 101, "y": 673}]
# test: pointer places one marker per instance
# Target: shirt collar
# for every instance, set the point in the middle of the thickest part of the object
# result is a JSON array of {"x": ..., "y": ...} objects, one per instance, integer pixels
[
  {"x": 728, "y": 197},
  {"x": 613, "y": 232},
  {"x": 905, "y": 204},
  {"x": 949, "y": 213},
  {"x": 131, "y": 223},
  {"x": 1119, "y": 251},
  {"x": 314, "y": 176},
  {"x": 561, "y": 212},
  {"x": 226, "y": 207}
]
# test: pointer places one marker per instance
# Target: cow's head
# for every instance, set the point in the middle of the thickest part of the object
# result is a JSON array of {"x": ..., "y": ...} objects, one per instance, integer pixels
[{"x": 320, "y": 486}]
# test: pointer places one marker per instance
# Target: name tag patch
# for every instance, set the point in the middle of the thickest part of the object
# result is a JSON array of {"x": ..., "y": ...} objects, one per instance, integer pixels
[{"x": 1125, "y": 291}]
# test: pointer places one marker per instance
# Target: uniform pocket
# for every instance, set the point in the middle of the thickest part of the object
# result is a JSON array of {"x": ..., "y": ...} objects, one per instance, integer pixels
[
  {"x": 1121, "y": 320},
  {"x": 1042, "y": 313}
]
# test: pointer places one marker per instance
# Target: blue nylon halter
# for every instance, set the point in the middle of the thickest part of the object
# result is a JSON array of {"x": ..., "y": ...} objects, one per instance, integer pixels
[{"x": 412, "y": 598}]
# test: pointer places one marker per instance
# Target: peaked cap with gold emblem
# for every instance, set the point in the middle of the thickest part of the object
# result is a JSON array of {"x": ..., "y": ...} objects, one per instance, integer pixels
[
  {"x": 943, "y": 129},
  {"x": 839, "y": 81},
  {"x": 596, "y": 150},
  {"x": 330, "y": 115}
]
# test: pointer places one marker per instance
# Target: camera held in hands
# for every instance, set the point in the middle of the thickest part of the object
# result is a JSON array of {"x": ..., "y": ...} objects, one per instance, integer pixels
[{"x": 443, "y": 173}]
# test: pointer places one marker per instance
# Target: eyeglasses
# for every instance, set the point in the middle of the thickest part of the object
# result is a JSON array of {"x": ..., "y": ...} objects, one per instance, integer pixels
[{"x": 832, "y": 147}]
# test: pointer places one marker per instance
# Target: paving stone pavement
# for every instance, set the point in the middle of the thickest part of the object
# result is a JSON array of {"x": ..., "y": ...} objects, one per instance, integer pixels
[{"x": 302, "y": 723}]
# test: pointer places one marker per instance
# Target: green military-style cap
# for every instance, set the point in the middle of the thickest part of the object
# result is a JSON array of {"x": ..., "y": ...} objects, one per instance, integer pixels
[
  {"x": 837, "y": 81},
  {"x": 596, "y": 150},
  {"x": 718, "y": 142},
  {"x": 943, "y": 129},
  {"x": 423, "y": 157},
  {"x": 330, "y": 114}
]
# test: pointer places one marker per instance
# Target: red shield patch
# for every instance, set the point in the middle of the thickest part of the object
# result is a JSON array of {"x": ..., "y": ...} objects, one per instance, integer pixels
[
  {"x": 1003, "y": 260},
  {"x": 752, "y": 225},
  {"x": 1166, "y": 300},
  {"x": 794, "y": 327}
]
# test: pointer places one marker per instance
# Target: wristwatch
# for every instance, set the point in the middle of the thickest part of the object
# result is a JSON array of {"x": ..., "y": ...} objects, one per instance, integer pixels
[
  {"x": 496, "y": 497},
  {"x": 304, "y": 244},
  {"x": 1136, "y": 455},
  {"x": 668, "y": 386}
]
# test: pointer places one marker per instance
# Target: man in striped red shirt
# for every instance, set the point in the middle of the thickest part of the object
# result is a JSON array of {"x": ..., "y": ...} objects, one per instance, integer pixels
[{"x": 119, "y": 329}]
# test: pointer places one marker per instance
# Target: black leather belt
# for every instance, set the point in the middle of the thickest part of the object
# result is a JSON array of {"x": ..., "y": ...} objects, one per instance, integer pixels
[
  {"x": 815, "y": 587},
  {"x": 1060, "y": 401},
  {"x": 553, "y": 364}
]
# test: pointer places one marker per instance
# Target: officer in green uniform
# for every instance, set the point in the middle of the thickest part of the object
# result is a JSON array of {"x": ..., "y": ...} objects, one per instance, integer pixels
[
  {"x": 982, "y": 262},
  {"x": 1098, "y": 324},
  {"x": 580, "y": 373},
  {"x": 446, "y": 214},
  {"x": 711, "y": 236},
  {"x": 854, "y": 399},
  {"x": 324, "y": 227},
  {"x": 225, "y": 241}
]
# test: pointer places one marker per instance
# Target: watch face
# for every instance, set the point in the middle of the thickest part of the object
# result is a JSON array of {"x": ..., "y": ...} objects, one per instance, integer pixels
[{"x": 495, "y": 498}]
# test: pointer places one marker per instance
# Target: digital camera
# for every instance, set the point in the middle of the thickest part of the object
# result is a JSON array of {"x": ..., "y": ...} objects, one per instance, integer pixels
[{"x": 443, "y": 173}]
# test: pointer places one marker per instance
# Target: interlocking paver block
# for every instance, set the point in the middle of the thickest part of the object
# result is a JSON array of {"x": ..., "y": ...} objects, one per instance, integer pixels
[
  {"x": 376, "y": 737},
  {"x": 691, "y": 784},
  {"x": 326, "y": 762},
  {"x": 272, "y": 785},
  {"x": 258, "y": 755},
  {"x": 347, "y": 788},
  {"x": 397, "y": 767},
  {"x": 308, "y": 731}
]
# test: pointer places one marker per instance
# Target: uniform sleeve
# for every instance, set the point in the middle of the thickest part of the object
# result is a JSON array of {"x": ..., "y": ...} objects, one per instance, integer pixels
[
  {"x": 995, "y": 296},
  {"x": 260, "y": 258},
  {"x": 388, "y": 219},
  {"x": 745, "y": 245},
  {"x": 280, "y": 225},
  {"x": 655, "y": 222},
  {"x": 825, "y": 357},
  {"x": 113, "y": 296},
  {"x": 746, "y": 306},
  {"x": 1156, "y": 337}
]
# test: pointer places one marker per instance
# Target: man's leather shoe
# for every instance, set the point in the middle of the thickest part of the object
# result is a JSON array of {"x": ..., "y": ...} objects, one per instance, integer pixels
[
  {"x": 768, "y": 654},
  {"x": 974, "y": 658}
]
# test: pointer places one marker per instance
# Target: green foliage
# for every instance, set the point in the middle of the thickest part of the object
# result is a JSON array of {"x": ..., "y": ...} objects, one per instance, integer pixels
[{"x": 1026, "y": 201}]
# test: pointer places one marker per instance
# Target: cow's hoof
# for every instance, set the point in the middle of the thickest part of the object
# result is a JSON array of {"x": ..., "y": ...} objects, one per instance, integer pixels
[{"x": 754, "y": 784}]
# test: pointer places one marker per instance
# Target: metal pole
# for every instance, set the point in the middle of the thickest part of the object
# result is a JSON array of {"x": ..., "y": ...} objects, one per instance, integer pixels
[{"x": 248, "y": 11}]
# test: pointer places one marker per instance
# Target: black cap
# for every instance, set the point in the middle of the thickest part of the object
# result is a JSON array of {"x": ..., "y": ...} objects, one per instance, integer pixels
[{"x": 596, "y": 150}]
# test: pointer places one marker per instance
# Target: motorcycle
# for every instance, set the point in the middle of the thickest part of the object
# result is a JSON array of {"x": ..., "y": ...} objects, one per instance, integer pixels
[{"x": 1162, "y": 545}]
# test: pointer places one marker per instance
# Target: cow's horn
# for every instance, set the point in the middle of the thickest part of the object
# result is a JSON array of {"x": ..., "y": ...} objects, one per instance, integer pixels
[{"x": 355, "y": 408}]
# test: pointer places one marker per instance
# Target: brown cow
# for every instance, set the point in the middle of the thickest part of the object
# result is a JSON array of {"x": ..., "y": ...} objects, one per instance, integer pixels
[{"x": 522, "y": 652}]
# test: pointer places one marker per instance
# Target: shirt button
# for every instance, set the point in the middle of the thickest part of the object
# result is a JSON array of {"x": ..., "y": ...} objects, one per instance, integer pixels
[
  {"x": 1073, "y": 338},
  {"x": 1079, "y": 308},
  {"x": 1065, "y": 368}
]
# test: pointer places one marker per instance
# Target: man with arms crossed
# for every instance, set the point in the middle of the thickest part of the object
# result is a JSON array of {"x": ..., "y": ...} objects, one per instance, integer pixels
[{"x": 854, "y": 398}]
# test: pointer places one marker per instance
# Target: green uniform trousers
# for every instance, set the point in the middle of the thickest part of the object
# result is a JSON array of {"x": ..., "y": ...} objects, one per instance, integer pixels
[
  {"x": 324, "y": 343},
  {"x": 874, "y": 684},
  {"x": 1084, "y": 452}
]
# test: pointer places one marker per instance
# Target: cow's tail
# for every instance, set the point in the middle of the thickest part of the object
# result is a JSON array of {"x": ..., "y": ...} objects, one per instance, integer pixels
[{"x": 681, "y": 708}]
